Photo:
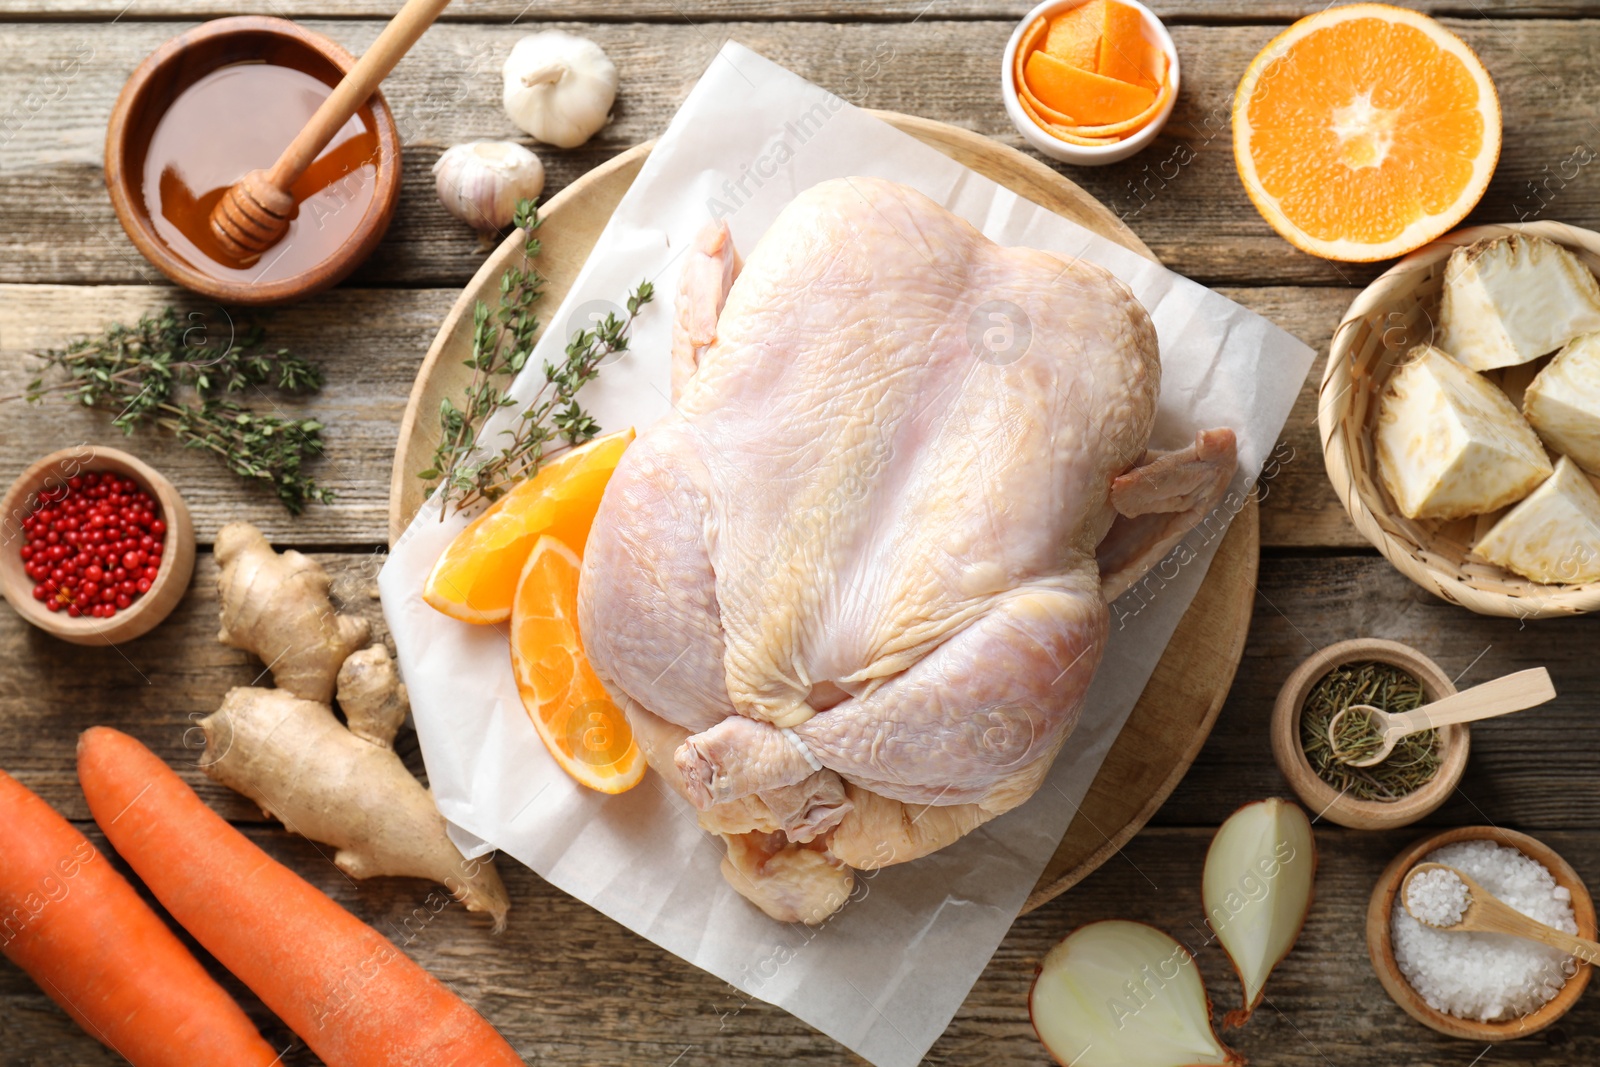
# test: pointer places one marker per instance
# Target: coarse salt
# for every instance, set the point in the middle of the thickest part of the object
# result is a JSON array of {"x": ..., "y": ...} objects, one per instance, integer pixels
[
  {"x": 1486, "y": 977},
  {"x": 1437, "y": 897}
]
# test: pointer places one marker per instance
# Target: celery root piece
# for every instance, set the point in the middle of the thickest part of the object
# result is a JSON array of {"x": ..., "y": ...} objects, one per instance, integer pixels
[
  {"x": 345, "y": 787},
  {"x": 277, "y": 607}
]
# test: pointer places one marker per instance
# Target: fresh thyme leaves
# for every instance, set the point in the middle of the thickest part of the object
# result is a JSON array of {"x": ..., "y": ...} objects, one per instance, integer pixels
[
  {"x": 164, "y": 372},
  {"x": 1415, "y": 759},
  {"x": 502, "y": 342}
]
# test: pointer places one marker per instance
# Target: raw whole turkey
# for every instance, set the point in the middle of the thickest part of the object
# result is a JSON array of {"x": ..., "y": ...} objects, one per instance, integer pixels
[{"x": 851, "y": 592}]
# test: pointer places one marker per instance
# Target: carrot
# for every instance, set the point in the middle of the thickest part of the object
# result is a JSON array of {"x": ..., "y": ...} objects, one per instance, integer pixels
[
  {"x": 92, "y": 943},
  {"x": 355, "y": 998}
]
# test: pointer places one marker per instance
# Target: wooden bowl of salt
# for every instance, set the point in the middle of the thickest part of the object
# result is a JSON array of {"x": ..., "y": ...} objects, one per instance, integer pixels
[{"x": 1380, "y": 938}]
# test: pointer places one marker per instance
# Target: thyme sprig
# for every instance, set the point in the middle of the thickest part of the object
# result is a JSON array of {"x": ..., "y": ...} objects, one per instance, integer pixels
[
  {"x": 502, "y": 341},
  {"x": 466, "y": 470},
  {"x": 163, "y": 372}
]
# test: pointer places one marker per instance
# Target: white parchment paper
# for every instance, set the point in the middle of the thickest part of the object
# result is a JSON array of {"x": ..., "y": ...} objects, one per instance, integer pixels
[{"x": 886, "y": 974}]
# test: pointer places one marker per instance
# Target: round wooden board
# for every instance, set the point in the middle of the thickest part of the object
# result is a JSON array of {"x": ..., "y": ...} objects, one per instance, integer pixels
[{"x": 1180, "y": 703}]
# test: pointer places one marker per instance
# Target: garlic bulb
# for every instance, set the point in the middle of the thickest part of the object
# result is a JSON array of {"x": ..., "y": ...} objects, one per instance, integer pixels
[
  {"x": 480, "y": 183},
  {"x": 559, "y": 87}
]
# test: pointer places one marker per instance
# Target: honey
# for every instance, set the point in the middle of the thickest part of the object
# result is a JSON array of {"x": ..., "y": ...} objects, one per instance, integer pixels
[{"x": 239, "y": 118}]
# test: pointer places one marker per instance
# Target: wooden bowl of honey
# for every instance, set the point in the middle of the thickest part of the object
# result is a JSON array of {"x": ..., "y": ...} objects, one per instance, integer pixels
[{"x": 225, "y": 98}]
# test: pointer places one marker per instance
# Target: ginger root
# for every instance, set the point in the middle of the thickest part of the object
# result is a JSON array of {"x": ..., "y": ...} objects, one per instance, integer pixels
[
  {"x": 372, "y": 696},
  {"x": 277, "y": 607},
  {"x": 338, "y": 784}
]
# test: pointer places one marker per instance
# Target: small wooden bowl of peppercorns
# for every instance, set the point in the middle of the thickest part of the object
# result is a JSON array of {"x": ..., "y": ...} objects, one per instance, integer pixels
[{"x": 95, "y": 546}]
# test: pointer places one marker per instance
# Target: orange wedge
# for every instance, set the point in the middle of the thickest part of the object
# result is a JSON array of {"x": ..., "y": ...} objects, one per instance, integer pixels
[
  {"x": 1364, "y": 132},
  {"x": 1091, "y": 98},
  {"x": 476, "y": 577},
  {"x": 1074, "y": 37},
  {"x": 588, "y": 735}
]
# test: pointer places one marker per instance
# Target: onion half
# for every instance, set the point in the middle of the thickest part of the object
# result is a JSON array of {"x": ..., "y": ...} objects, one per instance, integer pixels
[
  {"x": 1124, "y": 994},
  {"x": 1257, "y": 889}
]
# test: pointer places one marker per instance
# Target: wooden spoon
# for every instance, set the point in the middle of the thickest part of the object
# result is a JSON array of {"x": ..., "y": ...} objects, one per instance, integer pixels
[
  {"x": 1514, "y": 692},
  {"x": 1487, "y": 913},
  {"x": 254, "y": 213}
]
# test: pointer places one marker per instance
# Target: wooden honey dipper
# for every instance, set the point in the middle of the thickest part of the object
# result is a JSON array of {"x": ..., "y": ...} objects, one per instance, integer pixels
[{"x": 254, "y": 213}]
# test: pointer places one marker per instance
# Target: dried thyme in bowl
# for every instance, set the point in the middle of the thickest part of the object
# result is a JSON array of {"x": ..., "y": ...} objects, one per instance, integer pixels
[
  {"x": 1415, "y": 759},
  {"x": 1356, "y": 736}
]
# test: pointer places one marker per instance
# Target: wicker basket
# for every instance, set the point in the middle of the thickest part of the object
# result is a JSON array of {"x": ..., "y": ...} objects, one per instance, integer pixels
[{"x": 1391, "y": 315}]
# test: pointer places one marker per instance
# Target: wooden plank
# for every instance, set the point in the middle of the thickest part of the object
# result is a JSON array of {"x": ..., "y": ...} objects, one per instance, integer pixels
[
  {"x": 534, "y": 12},
  {"x": 1182, "y": 195},
  {"x": 368, "y": 342},
  {"x": 1531, "y": 769},
  {"x": 1298, "y": 505},
  {"x": 567, "y": 986},
  {"x": 155, "y": 688},
  {"x": 1522, "y": 770}
]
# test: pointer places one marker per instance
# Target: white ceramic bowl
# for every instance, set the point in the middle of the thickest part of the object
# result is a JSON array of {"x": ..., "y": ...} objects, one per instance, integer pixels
[{"x": 1085, "y": 155}]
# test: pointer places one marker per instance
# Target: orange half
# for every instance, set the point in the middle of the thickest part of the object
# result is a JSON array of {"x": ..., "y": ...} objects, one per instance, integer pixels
[
  {"x": 1364, "y": 132},
  {"x": 588, "y": 735},
  {"x": 476, "y": 576}
]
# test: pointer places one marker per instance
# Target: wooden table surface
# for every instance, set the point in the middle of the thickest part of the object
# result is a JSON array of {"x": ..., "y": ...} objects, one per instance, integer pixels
[{"x": 563, "y": 983}]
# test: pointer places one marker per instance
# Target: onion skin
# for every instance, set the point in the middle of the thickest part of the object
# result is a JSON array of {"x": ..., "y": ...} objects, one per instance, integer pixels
[{"x": 1241, "y": 1015}]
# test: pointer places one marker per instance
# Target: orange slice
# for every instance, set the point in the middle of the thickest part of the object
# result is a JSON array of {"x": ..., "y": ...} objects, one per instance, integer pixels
[
  {"x": 1124, "y": 53},
  {"x": 1074, "y": 37},
  {"x": 588, "y": 735},
  {"x": 475, "y": 578},
  {"x": 1091, "y": 98},
  {"x": 1364, "y": 132}
]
